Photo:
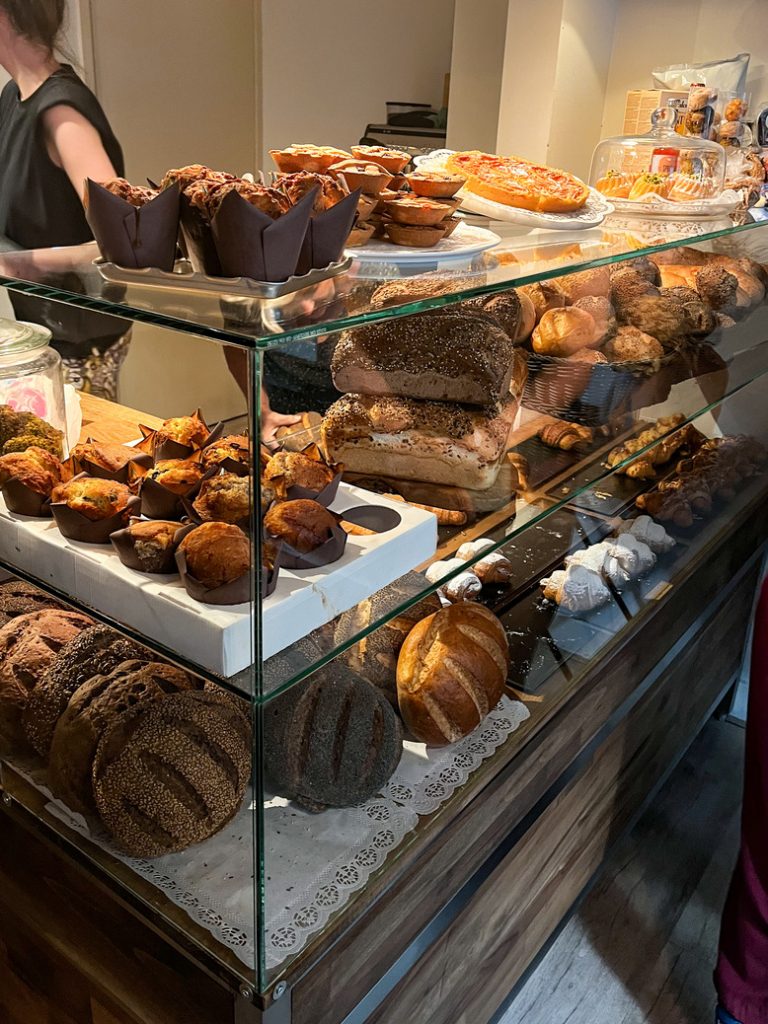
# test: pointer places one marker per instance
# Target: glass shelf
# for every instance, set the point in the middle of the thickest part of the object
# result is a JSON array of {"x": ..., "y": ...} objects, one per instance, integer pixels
[{"x": 521, "y": 257}]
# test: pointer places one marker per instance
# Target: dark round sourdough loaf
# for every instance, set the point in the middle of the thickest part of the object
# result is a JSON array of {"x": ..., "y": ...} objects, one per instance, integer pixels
[
  {"x": 28, "y": 645},
  {"x": 19, "y": 598},
  {"x": 332, "y": 742},
  {"x": 95, "y": 651},
  {"x": 375, "y": 656},
  {"x": 94, "y": 708},
  {"x": 173, "y": 773}
]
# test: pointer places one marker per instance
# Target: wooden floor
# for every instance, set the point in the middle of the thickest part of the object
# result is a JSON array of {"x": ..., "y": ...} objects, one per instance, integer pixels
[{"x": 641, "y": 948}]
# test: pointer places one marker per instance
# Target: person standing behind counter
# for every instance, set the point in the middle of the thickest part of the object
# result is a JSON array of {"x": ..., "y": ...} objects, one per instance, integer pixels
[{"x": 53, "y": 135}]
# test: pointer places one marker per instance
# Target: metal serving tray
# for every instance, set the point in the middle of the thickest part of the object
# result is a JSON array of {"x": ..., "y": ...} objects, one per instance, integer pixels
[{"x": 183, "y": 278}]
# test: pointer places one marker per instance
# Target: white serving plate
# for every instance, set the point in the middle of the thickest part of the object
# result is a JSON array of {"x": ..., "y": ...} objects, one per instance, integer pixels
[
  {"x": 591, "y": 215},
  {"x": 656, "y": 207},
  {"x": 221, "y": 638},
  {"x": 466, "y": 241}
]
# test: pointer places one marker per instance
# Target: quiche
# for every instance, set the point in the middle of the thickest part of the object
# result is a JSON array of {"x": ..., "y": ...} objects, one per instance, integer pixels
[{"x": 513, "y": 181}]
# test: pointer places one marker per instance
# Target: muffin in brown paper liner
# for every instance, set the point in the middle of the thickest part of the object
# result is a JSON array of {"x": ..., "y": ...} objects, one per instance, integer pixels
[
  {"x": 131, "y": 236},
  {"x": 251, "y": 244},
  {"x": 23, "y": 501},
  {"x": 140, "y": 460},
  {"x": 198, "y": 241},
  {"x": 157, "y": 502},
  {"x": 125, "y": 546},
  {"x": 327, "y": 234},
  {"x": 325, "y": 554},
  {"x": 169, "y": 449},
  {"x": 327, "y": 495},
  {"x": 75, "y": 526},
  {"x": 235, "y": 592}
]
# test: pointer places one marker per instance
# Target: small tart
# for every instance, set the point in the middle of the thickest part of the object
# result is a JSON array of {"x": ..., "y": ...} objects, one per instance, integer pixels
[
  {"x": 650, "y": 184},
  {"x": 438, "y": 184},
  {"x": 368, "y": 177},
  {"x": 416, "y": 210},
  {"x": 392, "y": 160},
  {"x": 306, "y": 157},
  {"x": 419, "y": 236},
  {"x": 450, "y": 224},
  {"x": 615, "y": 184},
  {"x": 360, "y": 234}
]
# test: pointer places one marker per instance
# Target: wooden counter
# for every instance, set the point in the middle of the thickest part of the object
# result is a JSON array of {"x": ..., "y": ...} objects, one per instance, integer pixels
[{"x": 479, "y": 890}]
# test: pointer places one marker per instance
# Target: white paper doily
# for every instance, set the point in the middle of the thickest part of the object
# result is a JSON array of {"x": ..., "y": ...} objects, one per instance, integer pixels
[{"x": 314, "y": 863}]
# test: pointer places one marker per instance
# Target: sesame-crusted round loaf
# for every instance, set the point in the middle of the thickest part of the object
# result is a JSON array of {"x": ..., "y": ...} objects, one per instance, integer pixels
[
  {"x": 95, "y": 707},
  {"x": 93, "y": 652},
  {"x": 332, "y": 742},
  {"x": 174, "y": 772},
  {"x": 19, "y": 598},
  {"x": 28, "y": 644}
]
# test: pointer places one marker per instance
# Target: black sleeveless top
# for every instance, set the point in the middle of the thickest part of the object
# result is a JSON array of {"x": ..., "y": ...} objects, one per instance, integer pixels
[{"x": 38, "y": 205}]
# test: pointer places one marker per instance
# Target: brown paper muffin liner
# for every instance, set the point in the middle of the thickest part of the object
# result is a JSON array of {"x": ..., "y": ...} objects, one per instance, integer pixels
[
  {"x": 235, "y": 592},
  {"x": 327, "y": 234},
  {"x": 125, "y": 546},
  {"x": 230, "y": 465},
  {"x": 325, "y": 497},
  {"x": 157, "y": 502},
  {"x": 191, "y": 513},
  {"x": 142, "y": 460},
  {"x": 197, "y": 238},
  {"x": 131, "y": 236},
  {"x": 251, "y": 244},
  {"x": 169, "y": 449},
  {"x": 75, "y": 526},
  {"x": 330, "y": 551},
  {"x": 23, "y": 501}
]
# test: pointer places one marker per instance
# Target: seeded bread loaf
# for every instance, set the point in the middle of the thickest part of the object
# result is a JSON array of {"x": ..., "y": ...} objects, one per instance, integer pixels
[
  {"x": 451, "y": 672},
  {"x": 28, "y": 645},
  {"x": 331, "y": 742},
  {"x": 95, "y": 651},
  {"x": 441, "y": 357},
  {"x": 19, "y": 598},
  {"x": 435, "y": 442},
  {"x": 93, "y": 708},
  {"x": 173, "y": 772}
]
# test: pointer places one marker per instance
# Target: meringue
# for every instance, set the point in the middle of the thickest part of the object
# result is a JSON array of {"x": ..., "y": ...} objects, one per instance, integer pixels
[{"x": 649, "y": 532}]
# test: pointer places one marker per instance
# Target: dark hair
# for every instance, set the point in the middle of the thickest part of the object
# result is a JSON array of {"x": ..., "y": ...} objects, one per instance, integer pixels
[{"x": 40, "y": 21}]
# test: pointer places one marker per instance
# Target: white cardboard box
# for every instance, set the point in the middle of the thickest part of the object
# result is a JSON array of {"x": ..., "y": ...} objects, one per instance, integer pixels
[{"x": 222, "y": 638}]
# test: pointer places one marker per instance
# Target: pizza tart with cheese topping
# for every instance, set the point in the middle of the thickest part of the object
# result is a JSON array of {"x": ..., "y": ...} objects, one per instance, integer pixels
[{"x": 513, "y": 181}]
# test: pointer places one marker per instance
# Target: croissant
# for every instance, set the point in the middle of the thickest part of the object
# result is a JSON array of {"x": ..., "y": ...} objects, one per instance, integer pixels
[{"x": 565, "y": 435}]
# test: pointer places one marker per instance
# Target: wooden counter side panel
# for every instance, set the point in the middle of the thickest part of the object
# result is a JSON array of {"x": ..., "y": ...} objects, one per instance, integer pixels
[
  {"x": 426, "y": 878},
  {"x": 70, "y": 954},
  {"x": 466, "y": 975}
]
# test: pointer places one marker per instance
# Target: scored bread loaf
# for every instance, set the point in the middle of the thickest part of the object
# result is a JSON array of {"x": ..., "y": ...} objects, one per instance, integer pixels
[
  {"x": 451, "y": 672},
  {"x": 442, "y": 357},
  {"x": 435, "y": 442},
  {"x": 28, "y": 645},
  {"x": 18, "y": 598},
  {"x": 95, "y": 651},
  {"x": 331, "y": 742},
  {"x": 375, "y": 656},
  {"x": 92, "y": 709},
  {"x": 172, "y": 772}
]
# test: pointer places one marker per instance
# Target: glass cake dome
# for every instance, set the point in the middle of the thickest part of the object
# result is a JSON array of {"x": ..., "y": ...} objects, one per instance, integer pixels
[{"x": 659, "y": 168}]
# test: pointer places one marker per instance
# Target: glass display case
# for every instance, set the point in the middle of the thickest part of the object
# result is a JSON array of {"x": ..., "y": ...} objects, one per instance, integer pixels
[{"x": 323, "y": 641}]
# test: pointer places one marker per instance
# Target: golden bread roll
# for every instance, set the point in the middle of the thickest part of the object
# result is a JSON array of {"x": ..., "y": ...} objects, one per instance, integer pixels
[
  {"x": 544, "y": 295},
  {"x": 527, "y": 316},
  {"x": 585, "y": 283},
  {"x": 561, "y": 332},
  {"x": 451, "y": 672}
]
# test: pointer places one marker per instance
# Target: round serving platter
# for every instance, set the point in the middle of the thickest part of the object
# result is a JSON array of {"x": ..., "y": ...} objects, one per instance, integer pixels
[
  {"x": 591, "y": 214},
  {"x": 466, "y": 241}
]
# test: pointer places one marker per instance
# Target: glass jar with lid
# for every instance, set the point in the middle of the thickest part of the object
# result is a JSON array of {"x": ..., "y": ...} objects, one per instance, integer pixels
[
  {"x": 31, "y": 375},
  {"x": 658, "y": 169}
]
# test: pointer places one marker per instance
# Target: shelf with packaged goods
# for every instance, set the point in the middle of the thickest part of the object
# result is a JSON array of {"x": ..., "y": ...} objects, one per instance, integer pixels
[{"x": 346, "y": 301}]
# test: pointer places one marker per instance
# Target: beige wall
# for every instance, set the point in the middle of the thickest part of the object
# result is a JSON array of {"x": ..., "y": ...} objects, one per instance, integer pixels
[
  {"x": 177, "y": 80},
  {"x": 653, "y": 33},
  {"x": 329, "y": 68},
  {"x": 477, "y": 66}
]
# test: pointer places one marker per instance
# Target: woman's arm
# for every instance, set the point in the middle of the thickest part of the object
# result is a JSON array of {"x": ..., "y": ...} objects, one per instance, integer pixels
[{"x": 74, "y": 145}]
